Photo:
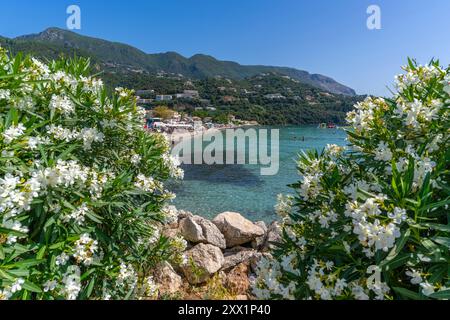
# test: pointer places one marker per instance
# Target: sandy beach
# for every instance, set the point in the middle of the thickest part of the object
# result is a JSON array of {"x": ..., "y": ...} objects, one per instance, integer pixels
[{"x": 182, "y": 135}]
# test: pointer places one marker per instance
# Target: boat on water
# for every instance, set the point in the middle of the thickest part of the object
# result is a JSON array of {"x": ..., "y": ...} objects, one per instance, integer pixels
[{"x": 330, "y": 125}]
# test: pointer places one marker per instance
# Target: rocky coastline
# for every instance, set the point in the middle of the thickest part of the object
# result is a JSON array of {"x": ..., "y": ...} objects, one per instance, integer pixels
[{"x": 221, "y": 257}]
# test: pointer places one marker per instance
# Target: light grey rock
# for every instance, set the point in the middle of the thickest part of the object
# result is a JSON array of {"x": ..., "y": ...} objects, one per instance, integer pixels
[
  {"x": 204, "y": 260},
  {"x": 191, "y": 231},
  {"x": 236, "y": 229},
  {"x": 258, "y": 243},
  {"x": 234, "y": 258},
  {"x": 169, "y": 282},
  {"x": 184, "y": 214},
  {"x": 274, "y": 235},
  {"x": 200, "y": 230}
]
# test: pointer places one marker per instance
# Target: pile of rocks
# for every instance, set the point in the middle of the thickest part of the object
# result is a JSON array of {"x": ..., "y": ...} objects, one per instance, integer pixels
[{"x": 229, "y": 246}]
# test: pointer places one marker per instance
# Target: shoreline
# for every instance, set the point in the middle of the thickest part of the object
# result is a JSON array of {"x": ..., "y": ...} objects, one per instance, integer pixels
[{"x": 180, "y": 135}]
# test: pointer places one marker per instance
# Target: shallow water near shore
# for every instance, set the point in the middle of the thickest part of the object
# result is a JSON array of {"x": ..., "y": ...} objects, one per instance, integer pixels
[{"x": 208, "y": 190}]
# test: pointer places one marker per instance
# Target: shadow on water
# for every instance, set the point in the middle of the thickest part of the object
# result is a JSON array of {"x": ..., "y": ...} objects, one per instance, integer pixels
[
  {"x": 234, "y": 174},
  {"x": 223, "y": 174}
]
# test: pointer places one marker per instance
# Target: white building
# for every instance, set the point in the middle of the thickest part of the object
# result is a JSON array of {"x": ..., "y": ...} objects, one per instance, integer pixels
[
  {"x": 188, "y": 94},
  {"x": 163, "y": 97}
]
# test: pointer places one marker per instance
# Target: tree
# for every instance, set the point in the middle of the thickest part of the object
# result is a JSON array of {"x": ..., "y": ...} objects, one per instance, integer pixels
[{"x": 163, "y": 112}]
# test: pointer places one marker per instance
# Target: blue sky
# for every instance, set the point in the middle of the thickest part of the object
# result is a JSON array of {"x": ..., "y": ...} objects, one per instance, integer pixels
[{"x": 321, "y": 36}]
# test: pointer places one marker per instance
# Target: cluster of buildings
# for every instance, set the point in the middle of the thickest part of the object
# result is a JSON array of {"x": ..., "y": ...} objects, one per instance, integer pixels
[{"x": 186, "y": 94}]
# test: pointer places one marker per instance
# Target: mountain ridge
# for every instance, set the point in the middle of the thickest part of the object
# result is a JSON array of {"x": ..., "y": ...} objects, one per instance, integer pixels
[{"x": 116, "y": 55}]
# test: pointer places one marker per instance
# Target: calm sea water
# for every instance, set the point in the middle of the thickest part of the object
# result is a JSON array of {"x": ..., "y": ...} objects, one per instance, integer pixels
[{"x": 208, "y": 190}]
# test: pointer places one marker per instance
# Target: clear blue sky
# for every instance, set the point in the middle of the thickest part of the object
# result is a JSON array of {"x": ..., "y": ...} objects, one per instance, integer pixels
[{"x": 321, "y": 36}]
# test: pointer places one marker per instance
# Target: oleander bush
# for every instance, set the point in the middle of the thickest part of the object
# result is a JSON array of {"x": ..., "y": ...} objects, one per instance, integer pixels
[
  {"x": 82, "y": 199},
  {"x": 371, "y": 220}
]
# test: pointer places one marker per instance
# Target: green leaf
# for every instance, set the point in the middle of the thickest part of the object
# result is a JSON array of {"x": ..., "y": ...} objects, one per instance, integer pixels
[
  {"x": 444, "y": 294},
  {"x": 94, "y": 217},
  {"x": 438, "y": 227},
  {"x": 405, "y": 293},
  {"x": 57, "y": 245},
  {"x": 390, "y": 259},
  {"x": 31, "y": 287},
  {"x": 25, "y": 263},
  {"x": 90, "y": 288},
  {"x": 41, "y": 252},
  {"x": 445, "y": 241},
  {"x": 13, "y": 232}
]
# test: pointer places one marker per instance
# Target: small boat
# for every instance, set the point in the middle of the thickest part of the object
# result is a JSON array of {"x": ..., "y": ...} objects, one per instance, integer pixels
[
  {"x": 322, "y": 126},
  {"x": 331, "y": 126}
]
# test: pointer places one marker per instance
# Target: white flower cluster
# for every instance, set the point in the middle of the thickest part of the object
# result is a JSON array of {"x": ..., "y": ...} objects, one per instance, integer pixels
[
  {"x": 269, "y": 282},
  {"x": 150, "y": 288},
  {"x": 13, "y": 132},
  {"x": 85, "y": 249},
  {"x": 127, "y": 277},
  {"x": 173, "y": 163},
  {"x": 416, "y": 77},
  {"x": 62, "y": 104},
  {"x": 78, "y": 215},
  {"x": 415, "y": 113},
  {"x": 71, "y": 283},
  {"x": 63, "y": 155},
  {"x": 170, "y": 213},
  {"x": 374, "y": 235},
  {"x": 87, "y": 135},
  {"x": 147, "y": 184},
  {"x": 5, "y": 94},
  {"x": 284, "y": 206},
  {"x": 362, "y": 118},
  {"x": 324, "y": 217}
]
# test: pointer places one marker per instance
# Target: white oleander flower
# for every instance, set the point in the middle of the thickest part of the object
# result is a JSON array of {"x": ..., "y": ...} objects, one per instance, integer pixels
[
  {"x": 135, "y": 159},
  {"x": 383, "y": 153},
  {"x": 146, "y": 184},
  {"x": 62, "y": 104},
  {"x": 89, "y": 136},
  {"x": 173, "y": 163},
  {"x": 50, "y": 285},
  {"x": 427, "y": 288},
  {"x": 5, "y": 294},
  {"x": 127, "y": 276},
  {"x": 399, "y": 215},
  {"x": 72, "y": 283},
  {"x": 5, "y": 94},
  {"x": 170, "y": 214},
  {"x": 13, "y": 132},
  {"x": 85, "y": 248},
  {"x": 17, "y": 285},
  {"x": 284, "y": 205},
  {"x": 78, "y": 215},
  {"x": 150, "y": 287},
  {"x": 416, "y": 277},
  {"x": 62, "y": 259}
]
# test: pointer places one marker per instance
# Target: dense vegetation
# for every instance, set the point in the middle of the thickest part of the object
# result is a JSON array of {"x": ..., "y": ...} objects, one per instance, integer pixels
[
  {"x": 116, "y": 56},
  {"x": 308, "y": 100},
  {"x": 82, "y": 199},
  {"x": 371, "y": 221},
  {"x": 245, "y": 99}
]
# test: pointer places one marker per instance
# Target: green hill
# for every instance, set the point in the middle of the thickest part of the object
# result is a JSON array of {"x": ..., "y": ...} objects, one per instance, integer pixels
[{"x": 117, "y": 57}]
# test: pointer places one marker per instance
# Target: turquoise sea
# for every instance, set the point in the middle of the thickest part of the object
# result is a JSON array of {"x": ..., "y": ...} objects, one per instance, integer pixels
[{"x": 208, "y": 190}]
